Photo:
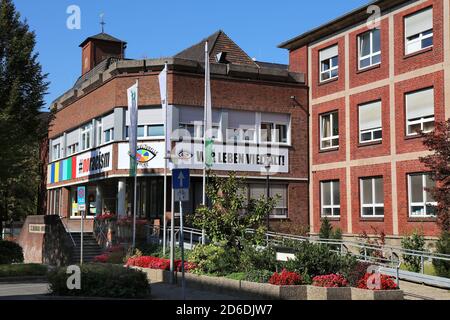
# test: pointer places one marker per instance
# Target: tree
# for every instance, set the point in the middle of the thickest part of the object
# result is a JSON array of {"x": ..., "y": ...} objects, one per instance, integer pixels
[
  {"x": 22, "y": 88},
  {"x": 438, "y": 162},
  {"x": 416, "y": 241},
  {"x": 230, "y": 214}
]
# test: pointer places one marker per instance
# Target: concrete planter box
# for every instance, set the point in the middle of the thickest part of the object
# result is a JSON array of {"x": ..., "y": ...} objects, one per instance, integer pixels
[
  {"x": 155, "y": 275},
  {"x": 364, "y": 294},
  {"x": 321, "y": 293}
]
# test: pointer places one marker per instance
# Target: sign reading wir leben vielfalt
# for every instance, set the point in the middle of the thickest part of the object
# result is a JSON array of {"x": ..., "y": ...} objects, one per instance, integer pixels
[{"x": 232, "y": 157}]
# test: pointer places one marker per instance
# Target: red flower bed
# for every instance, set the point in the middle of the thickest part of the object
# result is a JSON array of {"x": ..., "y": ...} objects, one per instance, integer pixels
[
  {"x": 129, "y": 221},
  {"x": 103, "y": 258},
  {"x": 286, "y": 278},
  {"x": 377, "y": 282},
  {"x": 107, "y": 216},
  {"x": 330, "y": 281},
  {"x": 158, "y": 263}
]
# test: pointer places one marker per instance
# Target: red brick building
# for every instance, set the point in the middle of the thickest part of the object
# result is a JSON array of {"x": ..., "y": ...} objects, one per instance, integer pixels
[
  {"x": 373, "y": 84},
  {"x": 258, "y": 109}
]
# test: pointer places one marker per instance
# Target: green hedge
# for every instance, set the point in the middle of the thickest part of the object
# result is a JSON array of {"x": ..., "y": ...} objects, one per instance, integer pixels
[
  {"x": 19, "y": 270},
  {"x": 10, "y": 252},
  {"x": 102, "y": 280}
]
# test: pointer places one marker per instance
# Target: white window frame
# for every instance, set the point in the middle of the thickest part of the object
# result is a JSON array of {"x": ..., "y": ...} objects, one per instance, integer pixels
[
  {"x": 374, "y": 204},
  {"x": 241, "y": 134},
  {"x": 371, "y": 54},
  {"x": 423, "y": 204},
  {"x": 145, "y": 136},
  {"x": 330, "y": 70},
  {"x": 332, "y": 206},
  {"x": 418, "y": 38},
  {"x": 100, "y": 138},
  {"x": 56, "y": 152},
  {"x": 371, "y": 130},
  {"x": 111, "y": 135},
  {"x": 422, "y": 120},
  {"x": 72, "y": 149},
  {"x": 273, "y": 132},
  {"x": 86, "y": 131},
  {"x": 331, "y": 137}
]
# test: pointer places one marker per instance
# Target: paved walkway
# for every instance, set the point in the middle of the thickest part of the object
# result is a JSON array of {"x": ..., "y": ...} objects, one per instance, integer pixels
[
  {"x": 414, "y": 291},
  {"x": 162, "y": 291}
]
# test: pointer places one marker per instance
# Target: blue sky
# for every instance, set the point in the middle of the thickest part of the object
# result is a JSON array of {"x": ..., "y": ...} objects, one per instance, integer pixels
[{"x": 156, "y": 28}]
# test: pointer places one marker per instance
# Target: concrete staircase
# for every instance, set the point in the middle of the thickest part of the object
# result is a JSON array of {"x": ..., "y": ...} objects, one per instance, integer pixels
[{"x": 90, "y": 247}]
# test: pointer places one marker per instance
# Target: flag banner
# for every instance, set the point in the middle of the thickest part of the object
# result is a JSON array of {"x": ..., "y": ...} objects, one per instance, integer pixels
[
  {"x": 208, "y": 113},
  {"x": 165, "y": 105},
  {"x": 132, "y": 93}
]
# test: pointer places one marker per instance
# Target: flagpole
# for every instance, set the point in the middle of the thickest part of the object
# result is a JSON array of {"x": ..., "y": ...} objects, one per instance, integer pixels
[
  {"x": 165, "y": 164},
  {"x": 135, "y": 171},
  {"x": 205, "y": 117}
]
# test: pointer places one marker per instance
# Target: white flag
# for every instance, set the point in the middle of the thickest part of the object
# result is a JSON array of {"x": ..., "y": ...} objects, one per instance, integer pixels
[
  {"x": 208, "y": 113},
  {"x": 163, "y": 91},
  {"x": 132, "y": 93}
]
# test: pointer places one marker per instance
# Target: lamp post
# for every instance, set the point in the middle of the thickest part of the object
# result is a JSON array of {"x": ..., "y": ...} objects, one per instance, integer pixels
[{"x": 267, "y": 166}]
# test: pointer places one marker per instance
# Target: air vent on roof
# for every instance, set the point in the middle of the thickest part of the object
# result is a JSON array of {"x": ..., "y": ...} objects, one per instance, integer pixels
[{"x": 221, "y": 57}]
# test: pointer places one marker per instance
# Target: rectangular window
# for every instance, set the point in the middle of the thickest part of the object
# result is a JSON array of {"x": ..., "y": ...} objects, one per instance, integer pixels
[
  {"x": 73, "y": 148},
  {"x": 329, "y": 131},
  {"x": 56, "y": 154},
  {"x": 109, "y": 135},
  {"x": 258, "y": 191},
  {"x": 241, "y": 134},
  {"x": 155, "y": 130},
  {"x": 372, "y": 197},
  {"x": 86, "y": 137},
  {"x": 419, "y": 31},
  {"x": 421, "y": 202},
  {"x": 189, "y": 128},
  {"x": 99, "y": 132},
  {"x": 369, "y": 49},
  {"x": 329, "y": 63},
  {"x": 141, "y": 131},
  {"x": 273, "y": 132},
  {"x": 420, "y": 111},
  {"x": 330, "y": 199},
  {"x": 370, "y": 128}
]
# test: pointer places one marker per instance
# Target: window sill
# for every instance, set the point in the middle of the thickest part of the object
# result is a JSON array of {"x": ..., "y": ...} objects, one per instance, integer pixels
[
  {"x": 416, "y": 136},
  {"x": 278, "y": 217},
  {"x": 410, "y": 55},
  {"x": 372, "y": 219},
  {"x": 330, "y": 218},
  {"x": 422, "y": 219},
  {"x": 328, "y": 150},
  {"x": 321, "y": 83},
  {"x": 370, "y": 143},
  {"x": 79, "y": 218},
  {"x": 376, "y": 66}
]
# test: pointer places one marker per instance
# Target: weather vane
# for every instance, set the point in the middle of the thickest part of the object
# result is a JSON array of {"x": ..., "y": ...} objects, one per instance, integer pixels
[{"x": 102, "y": 22}]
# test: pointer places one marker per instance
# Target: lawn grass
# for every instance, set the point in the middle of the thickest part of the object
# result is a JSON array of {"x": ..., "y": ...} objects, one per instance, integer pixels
[{"x": 22, "y": 269}]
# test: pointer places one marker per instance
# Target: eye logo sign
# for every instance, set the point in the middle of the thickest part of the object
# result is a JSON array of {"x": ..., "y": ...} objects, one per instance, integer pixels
[
  {"x": 145, "y": 154},
  {"x": 184, "y": 155}
]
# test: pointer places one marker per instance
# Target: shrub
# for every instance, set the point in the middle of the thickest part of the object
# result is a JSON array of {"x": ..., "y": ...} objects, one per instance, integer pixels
[
  {"x": 236, "y": 276},
  {"x": 442, "y": 267},
  {"x": 19, "y": 270},
  {"x": 216, "y": 259},
  {"x": 330, "y": 281},
  {"x": 378, "y": 240},
  {"x": 386, "y": 282},
  {"x": 260, "y": 276},
  {"x": 317, "y": 259},
  {"x": 415, "y": 241},
  {"x": 103, "y": 258},
  {"x": 286, "y": 278},
  {"x": 327, "y": 232},
  {"x": 258, "y": 258},
  {"x": 10, "y": 252},
  {"x": 102, "y": 280}
]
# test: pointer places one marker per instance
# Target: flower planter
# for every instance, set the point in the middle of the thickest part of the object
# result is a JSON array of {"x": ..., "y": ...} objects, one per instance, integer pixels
[
  {"x": 322, "y": 293},
  {"x": 365, "y": 294},
  {"x": 155, "y": 275}
]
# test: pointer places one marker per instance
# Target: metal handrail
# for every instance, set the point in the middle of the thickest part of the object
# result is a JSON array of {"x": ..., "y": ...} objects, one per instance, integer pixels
[{"x": 67, "y": 231}]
